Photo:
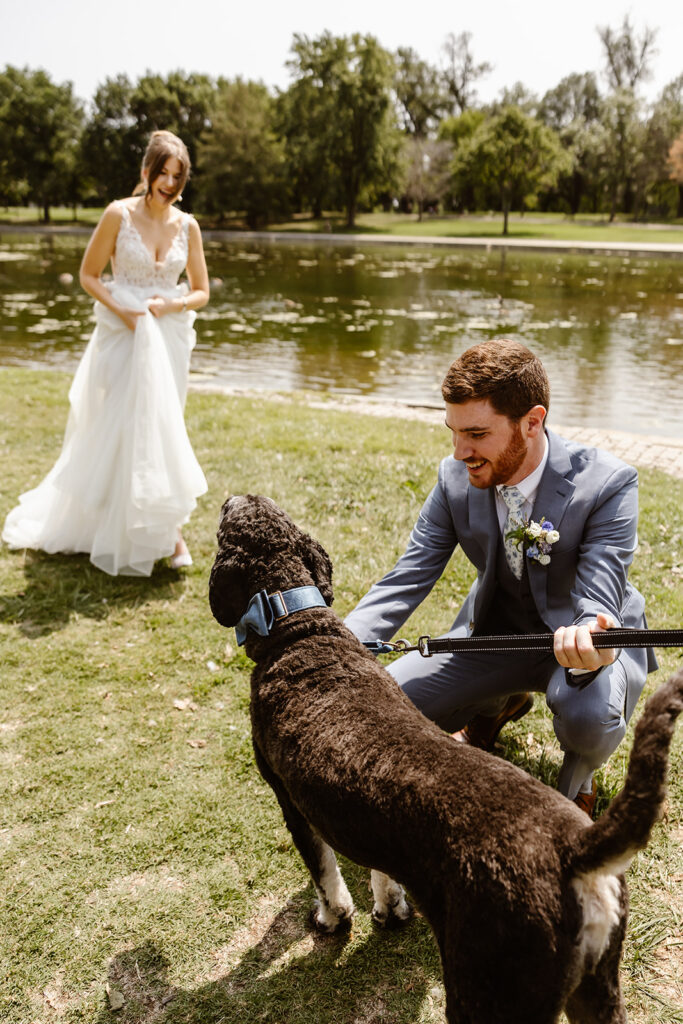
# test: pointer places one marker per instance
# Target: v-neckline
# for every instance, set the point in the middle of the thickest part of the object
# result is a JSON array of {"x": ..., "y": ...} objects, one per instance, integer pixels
[{"x": 155, "y": 262}]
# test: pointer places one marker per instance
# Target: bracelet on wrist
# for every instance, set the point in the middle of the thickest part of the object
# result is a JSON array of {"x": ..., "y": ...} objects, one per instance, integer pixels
[{"x": 184, "y": 305}]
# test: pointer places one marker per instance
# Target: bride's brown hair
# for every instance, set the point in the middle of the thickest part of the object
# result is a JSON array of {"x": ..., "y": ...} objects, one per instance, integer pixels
[{"x": 160, "y": 147}]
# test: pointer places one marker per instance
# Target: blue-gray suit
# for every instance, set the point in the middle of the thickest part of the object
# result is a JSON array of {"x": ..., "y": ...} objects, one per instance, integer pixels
[{"x": 591, "y": 499}]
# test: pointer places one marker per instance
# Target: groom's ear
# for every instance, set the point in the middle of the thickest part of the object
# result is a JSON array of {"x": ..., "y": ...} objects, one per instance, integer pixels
[{"x": 535, "y": 418}]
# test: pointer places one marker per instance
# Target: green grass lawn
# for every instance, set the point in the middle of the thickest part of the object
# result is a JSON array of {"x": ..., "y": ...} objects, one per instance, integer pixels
[
  {"x": 532, "y": 226},
  {"x": 32, "y": 216},
  {"x": 141, "y": 852}
]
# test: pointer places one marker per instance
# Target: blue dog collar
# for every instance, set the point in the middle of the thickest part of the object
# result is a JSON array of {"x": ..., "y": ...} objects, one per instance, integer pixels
[{"x": 265, "y": 609}]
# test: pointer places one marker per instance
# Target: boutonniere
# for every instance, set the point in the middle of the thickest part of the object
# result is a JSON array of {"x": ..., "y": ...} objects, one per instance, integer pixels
[{"x": 536, "y": 539}]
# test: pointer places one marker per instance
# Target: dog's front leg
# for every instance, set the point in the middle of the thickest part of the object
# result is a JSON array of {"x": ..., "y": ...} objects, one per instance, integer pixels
[
  {"x": 334, "y": 907},
  {"x": 391, "y": 906}
]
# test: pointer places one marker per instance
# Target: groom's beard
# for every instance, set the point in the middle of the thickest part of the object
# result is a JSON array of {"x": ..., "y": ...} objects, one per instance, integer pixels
[{"x": 507, "y": 463}]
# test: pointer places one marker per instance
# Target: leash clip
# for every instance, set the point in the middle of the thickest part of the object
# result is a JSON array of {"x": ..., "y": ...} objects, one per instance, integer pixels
[{"x": 423, "y": 646}]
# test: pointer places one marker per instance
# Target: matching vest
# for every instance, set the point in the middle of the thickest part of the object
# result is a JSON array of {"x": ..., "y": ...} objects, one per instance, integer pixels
[{"x": 512, "y": 609}]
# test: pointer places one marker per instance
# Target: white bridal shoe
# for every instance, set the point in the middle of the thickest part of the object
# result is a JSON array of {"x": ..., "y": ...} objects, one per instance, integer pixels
[{"x": 181, "y": 559}]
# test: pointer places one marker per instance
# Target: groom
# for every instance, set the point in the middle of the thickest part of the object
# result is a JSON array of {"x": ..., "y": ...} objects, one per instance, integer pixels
[{"x": 508, "y": 474}]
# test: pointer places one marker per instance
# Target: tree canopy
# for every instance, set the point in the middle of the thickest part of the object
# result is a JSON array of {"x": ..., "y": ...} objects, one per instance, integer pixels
[
  {"x": 512, "y": 154},
  {"x": 347, "y": 82},
  {"x": 40, "y": 127},
  {"x": 358, "y": 125}
]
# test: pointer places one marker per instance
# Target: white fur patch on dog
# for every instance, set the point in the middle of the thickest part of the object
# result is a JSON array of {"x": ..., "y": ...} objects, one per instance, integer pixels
[
  {"x": 334, "y": 899},
  {"x": 598, "y": 894},
  {"x": 390, "y": 898}
]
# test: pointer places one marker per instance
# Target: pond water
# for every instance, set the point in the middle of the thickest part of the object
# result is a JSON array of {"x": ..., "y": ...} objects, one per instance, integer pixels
[{"x": 386, "y": 321}]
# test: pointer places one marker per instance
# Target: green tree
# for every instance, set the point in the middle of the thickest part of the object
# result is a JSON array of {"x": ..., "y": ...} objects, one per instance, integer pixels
[
  {"x": 113, "y": 143},
  {"x": 576, "y": 98},
  {"x": 303, "y": 115},
  {"x": 242, "y": 159},
  {"x": 419, "y": 94},
  {"x": 40, "y": 123},
  {"x": 662, "y": 192},
  {"x": 179, "y": 103},
  {"x": 456, "y": 131},
  {"x": 573, "y": 109},
  {"x": 628, "y": 55},
  {"x": 352, "y": 77},
  {"x": 516, "y": 95},
  {"x": 513, "y": 154},
  {"x": 623, "y": 136},
  {"x": 628, "y": 60},
  {"x": 460, "y": 72},
  {"x": 426, "y": 168},
  {"x": 125, "y": 115}
]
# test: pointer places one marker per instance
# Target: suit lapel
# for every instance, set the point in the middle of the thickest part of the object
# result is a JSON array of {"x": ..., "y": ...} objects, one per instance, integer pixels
[
  {"x": 554, "y": 491},
  {"x": 485, "y": 530}
]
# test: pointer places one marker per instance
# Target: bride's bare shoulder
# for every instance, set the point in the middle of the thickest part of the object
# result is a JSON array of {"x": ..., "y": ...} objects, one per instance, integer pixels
[{"x": 114, "y": 212}]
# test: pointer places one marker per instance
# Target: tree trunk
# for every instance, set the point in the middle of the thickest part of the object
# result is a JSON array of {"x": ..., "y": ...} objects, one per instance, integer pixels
[
  {"x": 679, "y": 211},
  {"x": 420, "y": 207},
  {"x": 506, "y": 211},
  {"x": 46, "y": 212},
  {"x": 351, "y": 211}
]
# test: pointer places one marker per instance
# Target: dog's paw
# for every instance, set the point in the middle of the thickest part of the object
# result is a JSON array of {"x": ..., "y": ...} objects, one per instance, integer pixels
[
  {"x": 329, "y": 920},
  {"x": 392, "y": 915}
]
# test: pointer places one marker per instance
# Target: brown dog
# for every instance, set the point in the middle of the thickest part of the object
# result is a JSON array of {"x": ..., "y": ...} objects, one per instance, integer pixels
[{"x": 525, "y": 895}]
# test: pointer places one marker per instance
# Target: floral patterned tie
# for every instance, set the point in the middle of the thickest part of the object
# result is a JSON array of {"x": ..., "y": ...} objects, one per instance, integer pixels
[{"x": 514, "y": 499}]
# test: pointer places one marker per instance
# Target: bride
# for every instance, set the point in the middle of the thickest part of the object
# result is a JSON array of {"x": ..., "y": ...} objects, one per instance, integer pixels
[{"x": 127, "y": 477}]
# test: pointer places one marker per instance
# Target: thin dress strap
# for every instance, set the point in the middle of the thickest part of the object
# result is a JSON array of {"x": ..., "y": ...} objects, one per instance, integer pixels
[{"x": 120, "y": 205}]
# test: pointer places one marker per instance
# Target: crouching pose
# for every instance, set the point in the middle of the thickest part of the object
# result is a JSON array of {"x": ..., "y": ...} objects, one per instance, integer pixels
[{"x": 550, "y": 527}]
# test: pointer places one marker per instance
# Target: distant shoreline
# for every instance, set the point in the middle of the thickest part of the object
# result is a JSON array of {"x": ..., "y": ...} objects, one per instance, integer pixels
[
  {"x": 672, "y": 249},
  {"x": 656, "y": 249}
]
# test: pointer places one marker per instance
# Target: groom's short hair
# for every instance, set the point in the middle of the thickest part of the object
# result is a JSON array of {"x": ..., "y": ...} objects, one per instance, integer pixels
[{"x": 501, "y": 371}]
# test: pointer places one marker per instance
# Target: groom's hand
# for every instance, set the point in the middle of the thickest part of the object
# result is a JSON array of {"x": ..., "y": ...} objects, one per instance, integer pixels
[{"x": 573, "y": 645}]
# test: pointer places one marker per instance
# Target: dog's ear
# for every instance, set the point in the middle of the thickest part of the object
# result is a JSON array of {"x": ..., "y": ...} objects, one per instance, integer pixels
[
  {"x": 318, "y": 563},
  {"x": 227, "y": 594}
]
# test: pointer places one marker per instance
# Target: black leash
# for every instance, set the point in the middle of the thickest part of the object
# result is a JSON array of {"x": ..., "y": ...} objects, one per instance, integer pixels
[{"x": 428, "y": 646}]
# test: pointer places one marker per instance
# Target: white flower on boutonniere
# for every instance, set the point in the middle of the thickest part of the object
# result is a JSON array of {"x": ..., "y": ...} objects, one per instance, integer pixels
[{"x": 536, "y": 539}]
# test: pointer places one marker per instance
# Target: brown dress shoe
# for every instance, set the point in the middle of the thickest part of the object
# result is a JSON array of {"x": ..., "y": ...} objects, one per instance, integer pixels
[
  {"x": 586, "y": 801},
  {"x": 482, "y": 731}
]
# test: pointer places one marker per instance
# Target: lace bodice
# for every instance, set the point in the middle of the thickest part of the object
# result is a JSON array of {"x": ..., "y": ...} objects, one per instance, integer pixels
[{"x": 134, "y": 264}]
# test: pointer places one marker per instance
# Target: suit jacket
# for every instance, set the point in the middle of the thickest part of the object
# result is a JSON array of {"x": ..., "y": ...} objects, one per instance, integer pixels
[{"x": 588, "y": 495}]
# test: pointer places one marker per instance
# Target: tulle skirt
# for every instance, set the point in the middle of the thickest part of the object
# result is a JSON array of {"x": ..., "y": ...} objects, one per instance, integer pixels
[{"x": 127, "y": 476}]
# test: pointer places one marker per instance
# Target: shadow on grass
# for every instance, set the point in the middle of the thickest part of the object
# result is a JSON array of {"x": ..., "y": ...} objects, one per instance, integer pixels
[
  {"x": 325, "y": 985},
  {"x": 59, "y": 586}
]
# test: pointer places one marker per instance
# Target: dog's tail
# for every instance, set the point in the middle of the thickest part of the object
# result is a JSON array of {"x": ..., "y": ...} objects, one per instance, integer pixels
[{"x": 611, "y": 843}]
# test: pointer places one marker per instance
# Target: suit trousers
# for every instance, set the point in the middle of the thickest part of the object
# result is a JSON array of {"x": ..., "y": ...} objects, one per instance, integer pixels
[{"x": 589, "y": 721}]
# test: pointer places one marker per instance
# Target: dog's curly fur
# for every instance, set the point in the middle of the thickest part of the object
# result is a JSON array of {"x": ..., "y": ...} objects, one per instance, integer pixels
[{"x": 526, "y": 897}]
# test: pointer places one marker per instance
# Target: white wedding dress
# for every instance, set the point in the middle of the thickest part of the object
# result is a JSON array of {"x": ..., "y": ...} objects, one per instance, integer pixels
[{"x": 127, "y": 476}]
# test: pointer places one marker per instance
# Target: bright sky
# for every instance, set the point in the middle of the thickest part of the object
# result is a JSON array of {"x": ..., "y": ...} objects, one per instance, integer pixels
[{"x": 535, "y": 41}]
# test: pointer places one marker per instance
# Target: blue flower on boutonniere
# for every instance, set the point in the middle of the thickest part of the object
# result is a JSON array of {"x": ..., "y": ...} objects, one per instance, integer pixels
[{"x": 536, "y": 539}]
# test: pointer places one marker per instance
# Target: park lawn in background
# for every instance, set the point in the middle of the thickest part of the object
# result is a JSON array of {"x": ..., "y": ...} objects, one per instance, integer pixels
[
  {"x": 61, "y": 216},
  {"x": 144, "y": 859},
  {"x": 530, "y": 227}
]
